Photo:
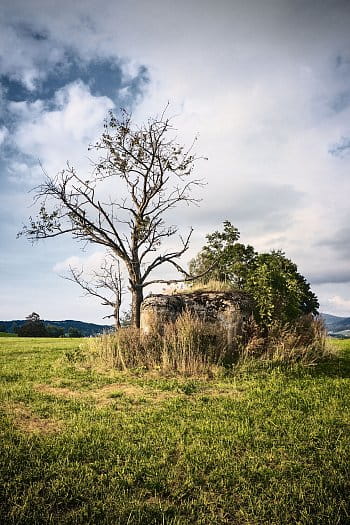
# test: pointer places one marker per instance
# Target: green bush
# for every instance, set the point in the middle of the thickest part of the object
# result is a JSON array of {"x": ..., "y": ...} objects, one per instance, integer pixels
[{"x": 280, "y": 293}]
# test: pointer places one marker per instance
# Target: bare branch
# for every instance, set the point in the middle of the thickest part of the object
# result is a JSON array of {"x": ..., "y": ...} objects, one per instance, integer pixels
[{"x": 108, "y": 277}]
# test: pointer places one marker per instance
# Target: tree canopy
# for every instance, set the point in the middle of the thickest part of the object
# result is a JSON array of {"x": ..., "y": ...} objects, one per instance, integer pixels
[
  {"x": 279, "y": 291},
  {"x": 223, "y": 258}
]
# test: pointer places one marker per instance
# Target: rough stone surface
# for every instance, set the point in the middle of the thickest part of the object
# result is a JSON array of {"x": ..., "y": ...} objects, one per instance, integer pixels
[{"x": 229, "y": 309}]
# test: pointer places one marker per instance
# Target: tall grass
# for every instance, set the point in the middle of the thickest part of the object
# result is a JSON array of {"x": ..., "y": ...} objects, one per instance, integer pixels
[
  {"x": 199, "y": 286},
  {"x": 303, "y": 341},
  {"x": 188, "y": 346},
  {"x": 210, "y": 286}
]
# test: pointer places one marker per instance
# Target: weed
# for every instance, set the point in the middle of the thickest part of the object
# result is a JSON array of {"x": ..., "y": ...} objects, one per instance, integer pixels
[
  {"x": 188, "y": 388},
  {"x": 75, "y": 355}
]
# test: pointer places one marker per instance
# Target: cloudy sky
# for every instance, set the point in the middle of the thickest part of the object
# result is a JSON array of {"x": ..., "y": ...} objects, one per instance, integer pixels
[{"x": 265, "y": 84}]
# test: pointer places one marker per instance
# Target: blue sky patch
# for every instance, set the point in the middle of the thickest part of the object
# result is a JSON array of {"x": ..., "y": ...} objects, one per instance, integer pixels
[{"x": 104, "y": 78}]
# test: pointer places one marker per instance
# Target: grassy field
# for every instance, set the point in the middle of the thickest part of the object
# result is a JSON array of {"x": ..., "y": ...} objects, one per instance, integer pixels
[{"x": 258, "y": 446}]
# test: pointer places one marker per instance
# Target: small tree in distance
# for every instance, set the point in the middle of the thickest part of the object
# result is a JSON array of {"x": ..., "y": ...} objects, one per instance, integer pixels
[
  {"x": 155, "y": 173},
  {"x": 33, "y": 327},
  {"x": 74, "y": 332}
]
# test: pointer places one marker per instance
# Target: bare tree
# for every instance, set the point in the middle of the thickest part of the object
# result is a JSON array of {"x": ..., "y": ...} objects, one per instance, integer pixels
[
  {"x": 105, "y": 284},
  {"x": 154, "y": 171}
]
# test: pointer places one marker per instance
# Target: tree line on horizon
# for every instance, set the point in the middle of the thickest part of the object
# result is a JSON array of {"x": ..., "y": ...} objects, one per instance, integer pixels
[{"x": 34, "y": 326}]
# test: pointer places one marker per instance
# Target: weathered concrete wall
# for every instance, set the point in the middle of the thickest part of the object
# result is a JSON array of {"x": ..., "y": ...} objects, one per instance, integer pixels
[{"x": 229, "y": 309}]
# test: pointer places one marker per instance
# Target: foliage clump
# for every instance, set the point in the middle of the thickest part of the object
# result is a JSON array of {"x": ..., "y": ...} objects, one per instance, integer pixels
[
  {"x": 303, "y": 341},
  {"x": 280, "y": 293}
]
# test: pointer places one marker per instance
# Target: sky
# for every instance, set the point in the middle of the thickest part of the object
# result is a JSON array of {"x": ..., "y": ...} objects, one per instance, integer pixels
[{"x": 265, "y": 84}]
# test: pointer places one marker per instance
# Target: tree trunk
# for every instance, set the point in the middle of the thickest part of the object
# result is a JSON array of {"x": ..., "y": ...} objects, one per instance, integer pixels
[
  {"x": 117, "y": 317},
  {"x": 137, "y": 298}
]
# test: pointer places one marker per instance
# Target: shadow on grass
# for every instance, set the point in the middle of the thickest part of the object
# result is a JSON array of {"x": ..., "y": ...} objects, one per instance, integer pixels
[{"x": 337, "y": 366}]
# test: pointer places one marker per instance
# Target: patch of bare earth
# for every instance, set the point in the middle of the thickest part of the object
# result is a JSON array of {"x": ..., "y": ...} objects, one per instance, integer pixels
[
  {"x": 107, "y": 394},
  {"x": 225, "y": 392},
  {"x": 27, "y": 421},
  {"x": 58, "y": 391}
]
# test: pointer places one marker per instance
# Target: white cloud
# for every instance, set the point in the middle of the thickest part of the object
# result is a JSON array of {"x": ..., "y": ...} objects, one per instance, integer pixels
[
  {"x": 26, "y": 111},
  {"x": 21, "y": 173},
  {"x": 339, "y": 301},
  {"x": 340, "y": 305},
  {"x": 89, "y": 263},
  {"x": 54, "y": 136},
  {"x": 3, "y": 134},
  {"x": 326, "y": 293},
  {"x": 24, "y": 58}
]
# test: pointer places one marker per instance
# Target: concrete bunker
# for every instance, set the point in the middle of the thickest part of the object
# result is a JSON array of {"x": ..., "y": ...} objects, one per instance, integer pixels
[{"x": 231, "y": 310}]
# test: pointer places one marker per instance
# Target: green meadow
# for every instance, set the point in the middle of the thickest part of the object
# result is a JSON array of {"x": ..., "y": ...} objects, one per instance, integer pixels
[{"x": 259, "y": 444}]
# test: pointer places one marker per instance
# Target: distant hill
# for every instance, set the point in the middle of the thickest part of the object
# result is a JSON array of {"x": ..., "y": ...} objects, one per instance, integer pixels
[
  {"x": 86, "y": 329},
  {"x": 337, "y": 325}
]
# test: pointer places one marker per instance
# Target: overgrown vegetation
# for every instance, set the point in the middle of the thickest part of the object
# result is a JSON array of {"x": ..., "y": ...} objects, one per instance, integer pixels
[
  {"x": 264, "y": 444},
  {"x": 210, "y": 285},
  {"x": 303, "y": 341},
  {"x": 279, "y": 292},
  {"x": 190, "y": 346}
]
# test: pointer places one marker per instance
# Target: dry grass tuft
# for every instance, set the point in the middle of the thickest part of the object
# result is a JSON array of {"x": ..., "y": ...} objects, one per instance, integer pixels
[
  {"x": 27, "y": 421},
  {"x": 210, "y": 286},
  {"x": 107, "y": 394},
  {"x": 188, "y": 346},
  {"x": 57, "y": 391},
  {"x": 303, "y": 341},
  {"x": 199, "y": 286}
]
